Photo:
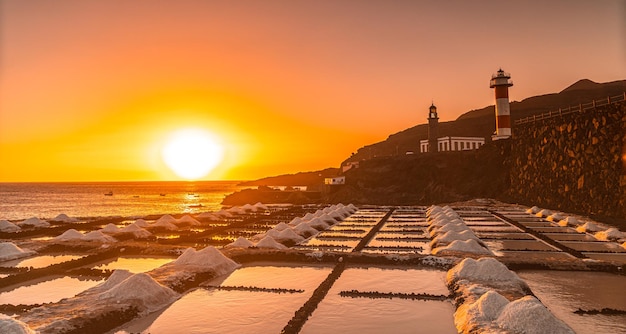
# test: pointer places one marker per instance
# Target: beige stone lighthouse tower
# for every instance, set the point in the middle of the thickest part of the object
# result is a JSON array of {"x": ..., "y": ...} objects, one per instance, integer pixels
[
  {"x": 433, "y": 129},
  {"x": 501, "y": 82}
]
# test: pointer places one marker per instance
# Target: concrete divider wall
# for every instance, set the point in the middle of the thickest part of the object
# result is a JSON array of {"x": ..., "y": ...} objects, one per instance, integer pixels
[{"x": 574, "y": 163}]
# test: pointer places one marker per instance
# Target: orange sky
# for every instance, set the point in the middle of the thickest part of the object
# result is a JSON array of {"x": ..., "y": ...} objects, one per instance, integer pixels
[{"x": 90, "y": 89}]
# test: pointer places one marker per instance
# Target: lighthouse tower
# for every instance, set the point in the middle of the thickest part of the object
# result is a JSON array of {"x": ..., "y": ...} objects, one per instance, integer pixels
[
  {"x": 433, "y": 129},
  {"x": 501, "y": 82}
]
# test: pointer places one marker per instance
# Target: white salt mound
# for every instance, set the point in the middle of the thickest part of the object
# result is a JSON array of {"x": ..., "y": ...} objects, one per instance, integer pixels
[
  {"x": 451, "y": 236},
  {"x": 305, "y": 230},
  {"x": 318, "y": 224},
  {"x": 261, "y": 206},
  {"x": 208, "y": 258},
  {"x": 136, "y": 231},
  {"x": 9, "y": 251},
  {"x": 527, "y": 315},
  {"x": 480, "y": 313},
  {"x": 486, "y": 270},
  {"x": 141, "y": 223},
  {"x": 241, "y": 242},
  {"x": 569, "y": 221},
  {"x": 69, "y": 235},
  {"x": 533, "y": 210},
  {"x": 295, "y": 222},
  {"x": 167, "y": 225},
  {"x": 281, "y": 226},
  {"x": 188, "y": 220},
  {"x": 64, "y": 219},
  {"x": 288, "y": 235},
  {"x": 34, "y": 222},
  {"x": 269, "y": 242},
  {"x": 588, "y": 227},
  {"x": 543, "y": 213},
  {"x": 8, "y": 227},
  {"x": 465, "y": 246},
  {"x": 166, "y": 218},
  {"x": 610, "y": 234},
  {"x": 141, "y": 290},
  {"x": 13, "y": 326},
  {"x": 110, "y": 229},
  {"x": 118, "y": 276},
  {"x": 555, "y": 217},
  {"x": 98, "y": 236}
]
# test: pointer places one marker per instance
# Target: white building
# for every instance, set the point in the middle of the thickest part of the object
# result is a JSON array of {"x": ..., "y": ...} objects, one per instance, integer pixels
[
  {"x": 335, "y": 180},
  {"x": 454, "y": 144}
]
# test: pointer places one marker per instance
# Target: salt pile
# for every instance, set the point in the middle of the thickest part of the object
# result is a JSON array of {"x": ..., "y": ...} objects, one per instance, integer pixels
[
  {"x": 98, "y": 236},
  {"x": 543, "y": 213},
  {"x": 241, "y": 242},
  {"x": 110, "y": 229},
  {"x": 555, "y": 217},
  {"x": 135, "y": 231},
  {"x": 208, "y": 216},
  {"x": 588, "y": 227},
  {"x": 528, "y": 315},
  {"x": 8, "y": 227},
  {"x": 206, "y": 259},
  {"x": 533, "y": 210},
  {"x": 166, "y": 219},
  {"x": 569, "y": 221},
  {"x": 188, "y": 220},
  {"x": 140, "y": 290},
  {"x": 9, "y": 251},
  {"x": 486, "y": 271},
  {"x": 466, "y": 246},
  {"x": 610, "y": 234},
  {"x": 164, "y": 224},
  {"x": 33, "y": 222},
  {"x": 288, "y": 235},
  {"x": 450, "y": 234},
  {"x": 141, "y": 223},
  {"x": 63, "y": 218},
  {"x": 69, "y": 235},
  {"x": 13, "y": 326},
  {"x": 480, "y": 287},
  {"x": 269, "y": 242}
]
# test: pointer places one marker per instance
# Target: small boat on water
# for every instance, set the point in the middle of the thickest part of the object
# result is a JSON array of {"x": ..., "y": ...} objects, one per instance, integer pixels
[
  {"x": 161, "y": 194},
  {"x": 110, "y": 193}
]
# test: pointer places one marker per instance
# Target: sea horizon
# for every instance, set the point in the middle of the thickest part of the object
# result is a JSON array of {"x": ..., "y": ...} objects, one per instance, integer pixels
[{"x": 82, "y": 199}]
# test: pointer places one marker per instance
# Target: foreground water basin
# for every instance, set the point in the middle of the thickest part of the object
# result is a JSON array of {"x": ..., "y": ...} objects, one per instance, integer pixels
[
  {"x": 134, "y": 264},
  {"x": 50, "y": 291},
  {"x": 40, "y": 261},
  {"x": 212, "y": 310},
  {"x": 337, "y": 314},
  {"x": 588, "y": 291}
]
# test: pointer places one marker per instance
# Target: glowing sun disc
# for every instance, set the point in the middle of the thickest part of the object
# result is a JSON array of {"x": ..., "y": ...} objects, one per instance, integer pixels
[{"x": 192, "y": 153}]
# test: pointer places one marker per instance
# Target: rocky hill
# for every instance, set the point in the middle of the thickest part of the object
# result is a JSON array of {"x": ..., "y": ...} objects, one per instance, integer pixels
[{"x": 481, "y": 122}]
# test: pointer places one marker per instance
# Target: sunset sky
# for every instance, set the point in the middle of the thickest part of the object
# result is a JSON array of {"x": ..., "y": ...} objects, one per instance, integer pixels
[{"x": 92, "y": 90}]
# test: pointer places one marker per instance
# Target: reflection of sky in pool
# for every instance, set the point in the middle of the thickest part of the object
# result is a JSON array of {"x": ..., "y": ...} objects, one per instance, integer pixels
[
  {"x": 135, "y": 265},
  {"x": 40, "y": 261},
  {"x": 47, "y": 292}
]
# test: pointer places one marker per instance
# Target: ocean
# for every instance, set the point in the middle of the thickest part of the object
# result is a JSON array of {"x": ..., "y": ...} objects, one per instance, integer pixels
[{"x": 104, "y": 199}]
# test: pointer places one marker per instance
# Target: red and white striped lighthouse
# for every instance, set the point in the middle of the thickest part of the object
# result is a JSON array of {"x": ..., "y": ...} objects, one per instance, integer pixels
[{"x": 501, "y": 82}]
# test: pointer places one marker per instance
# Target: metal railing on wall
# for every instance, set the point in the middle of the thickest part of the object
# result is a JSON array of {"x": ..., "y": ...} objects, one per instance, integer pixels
[{"x": 572, "y": 109}]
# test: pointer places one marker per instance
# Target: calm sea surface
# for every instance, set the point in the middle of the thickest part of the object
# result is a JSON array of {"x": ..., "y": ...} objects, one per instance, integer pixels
[{"x": 127, "y": 199}]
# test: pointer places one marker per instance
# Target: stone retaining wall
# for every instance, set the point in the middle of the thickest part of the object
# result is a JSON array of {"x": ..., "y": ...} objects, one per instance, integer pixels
[{"x": 574, "y": 163}]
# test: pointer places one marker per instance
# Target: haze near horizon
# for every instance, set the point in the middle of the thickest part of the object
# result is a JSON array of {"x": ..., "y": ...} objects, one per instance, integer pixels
[{"x": 96, "y": 90}]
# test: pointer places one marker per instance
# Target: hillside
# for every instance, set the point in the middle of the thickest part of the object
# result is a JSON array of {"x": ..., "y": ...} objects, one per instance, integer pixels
[{"x": 481, "y": 122}]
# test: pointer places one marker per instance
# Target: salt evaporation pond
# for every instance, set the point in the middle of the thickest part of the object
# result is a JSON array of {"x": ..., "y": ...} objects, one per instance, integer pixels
[
  {"x": 364, "y": 315},
  {"x": 210, "y": 310},
  {"x": 41, "y": 261},
  {"x": 564, "y": 292},
  {"x": 48, "y": 291},
  {"x": 135, "y": 264}
]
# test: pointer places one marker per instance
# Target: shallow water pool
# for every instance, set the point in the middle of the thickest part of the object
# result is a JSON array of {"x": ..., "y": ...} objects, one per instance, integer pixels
[
  {"x": 48, "y": 291},
  {"x": 564, "y": 292},
  {"x": 39, "y": 261}
]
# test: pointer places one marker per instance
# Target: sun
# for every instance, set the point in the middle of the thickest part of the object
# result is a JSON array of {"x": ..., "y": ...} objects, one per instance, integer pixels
[{"x": 192, "y": 153}]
